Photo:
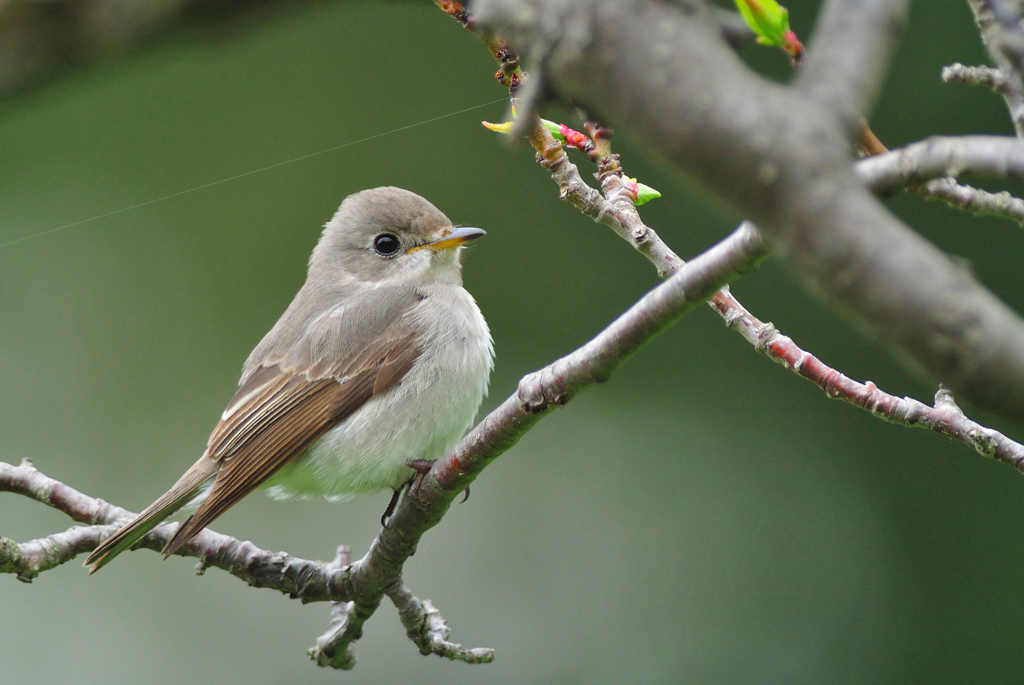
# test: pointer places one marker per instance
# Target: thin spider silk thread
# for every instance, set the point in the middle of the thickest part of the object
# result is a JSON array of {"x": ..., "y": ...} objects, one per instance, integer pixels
[{"x": 247, "y": 173}]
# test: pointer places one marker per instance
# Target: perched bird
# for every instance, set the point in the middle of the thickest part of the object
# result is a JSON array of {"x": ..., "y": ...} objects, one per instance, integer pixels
[{"x": 381, "y": 360}]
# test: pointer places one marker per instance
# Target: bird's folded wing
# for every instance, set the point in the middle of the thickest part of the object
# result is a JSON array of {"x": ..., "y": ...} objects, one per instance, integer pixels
[{"x": 277, "y": 414}]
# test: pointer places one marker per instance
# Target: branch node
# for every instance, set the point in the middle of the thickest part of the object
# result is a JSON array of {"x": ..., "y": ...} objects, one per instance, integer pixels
[
  {"x": 534, "y": 395},
  {"x": 342, "y": 558},
  {"x": 732, "y": 316},
  {"x": 944, "y": 398},
  {"x": 765, "y": 335}
]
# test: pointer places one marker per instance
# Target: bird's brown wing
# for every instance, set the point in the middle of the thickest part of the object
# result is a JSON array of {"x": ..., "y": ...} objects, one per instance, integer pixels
[{"x": 276, "y": 415}]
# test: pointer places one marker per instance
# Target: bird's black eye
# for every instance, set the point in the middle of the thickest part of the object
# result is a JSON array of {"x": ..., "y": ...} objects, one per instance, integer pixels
[{"x": 386, "y": 244}]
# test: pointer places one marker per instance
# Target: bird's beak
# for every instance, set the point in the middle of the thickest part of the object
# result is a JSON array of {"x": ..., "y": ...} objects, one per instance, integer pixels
[{"x": 453, "y": 239}]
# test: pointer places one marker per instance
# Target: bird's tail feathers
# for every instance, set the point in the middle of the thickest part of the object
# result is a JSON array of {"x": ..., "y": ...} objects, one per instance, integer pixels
[{"x": 152, "y": 516}]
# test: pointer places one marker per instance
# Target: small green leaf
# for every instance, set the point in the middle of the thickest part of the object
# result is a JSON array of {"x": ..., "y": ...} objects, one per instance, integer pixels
[
  {"x": 554, "y": 129},
  {"x": 645, "y": 193},
  {"x": 767, "y": 18},
  {"x": 770, "y": 21}
]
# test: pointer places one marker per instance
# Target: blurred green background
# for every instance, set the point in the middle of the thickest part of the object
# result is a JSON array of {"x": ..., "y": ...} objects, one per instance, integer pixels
[{"x": 706, "y": 516}]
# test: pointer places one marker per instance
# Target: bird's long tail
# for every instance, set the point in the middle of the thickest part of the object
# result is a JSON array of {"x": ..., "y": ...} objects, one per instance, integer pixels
[{"x": 152, "y": 516}]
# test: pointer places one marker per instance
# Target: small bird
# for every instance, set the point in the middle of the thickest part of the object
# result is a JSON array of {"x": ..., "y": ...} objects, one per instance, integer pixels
[{"x": 381, "y": 361}]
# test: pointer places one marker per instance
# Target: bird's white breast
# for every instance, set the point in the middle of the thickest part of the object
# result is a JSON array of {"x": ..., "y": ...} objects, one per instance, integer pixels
[{"x": 421, "y": 418}]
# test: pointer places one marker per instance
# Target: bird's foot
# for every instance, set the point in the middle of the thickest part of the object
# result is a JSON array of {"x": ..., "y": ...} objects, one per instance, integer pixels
[
  {"x": 421, "y": 467},
  {"x": 386, "y": 516}
]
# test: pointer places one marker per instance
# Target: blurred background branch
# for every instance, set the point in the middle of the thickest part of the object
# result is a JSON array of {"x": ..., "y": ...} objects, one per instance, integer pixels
[
  {"x": 41, "y": 39},
  {"x": 975, "y": 76},
  {"x": 942, "y": 156},
  {"x": 849, "y": 56},
  {"x": 963, "y": 197}
]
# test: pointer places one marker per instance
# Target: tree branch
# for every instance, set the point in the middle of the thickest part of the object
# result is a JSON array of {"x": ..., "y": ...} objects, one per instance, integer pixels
[
  {"x": 425, "y": 626},
  {"x": 778, "y": 157},
  {"x": 811, "y": 211},
  {"x": 944, "y": 418},
  {"x": 942, "y": 156},
  {"x": 965, "y": 197},
  {"x": 975, "y": 76},
  {"x": 617, "y": 210},
  {"x": 615, "y": 207},
  {"x": 308, "y": 580},
  {"x": 849, "y": 54},
  {"x": 973, "y": 200}
]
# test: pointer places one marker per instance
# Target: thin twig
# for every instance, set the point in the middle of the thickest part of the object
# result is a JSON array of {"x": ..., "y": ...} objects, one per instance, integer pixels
[
  {"x": 940, "y": 156},
  {"x": 425, "y": 626},
  {"x": 944, "y": 418},
  {"x": 311, "y": 581},
  {"x": 974, "y": 200},
  {"x": 975, "y": 76},
  {"x": 964, "y": 197},
  {"x": 336, "y": 648}
]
